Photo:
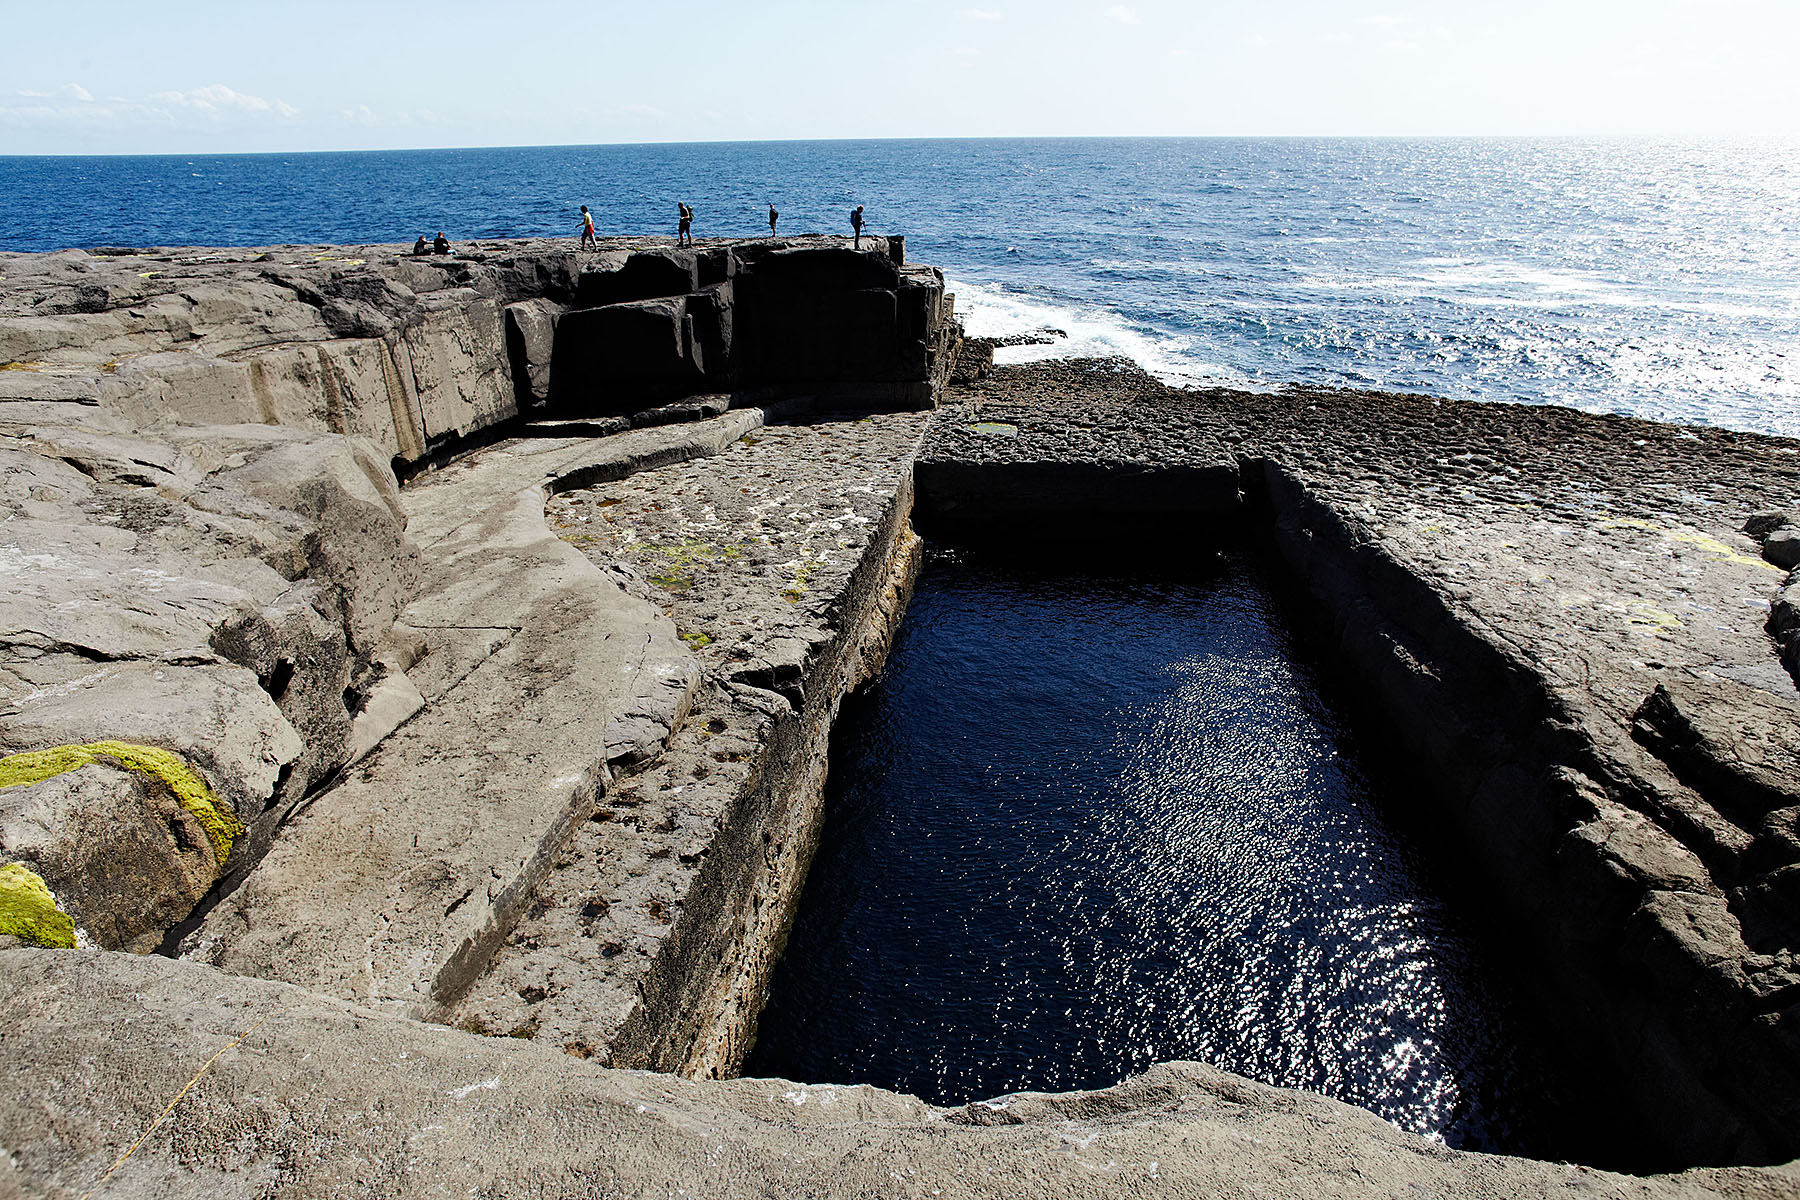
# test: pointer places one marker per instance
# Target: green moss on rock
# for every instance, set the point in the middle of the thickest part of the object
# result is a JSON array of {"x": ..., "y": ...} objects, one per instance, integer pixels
[
  {"x": 191, "y": 791},
  {"x": 29, "y": 912}
]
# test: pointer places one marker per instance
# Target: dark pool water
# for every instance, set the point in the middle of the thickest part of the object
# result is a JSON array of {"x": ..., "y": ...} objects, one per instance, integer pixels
[{"x": 1084, "y": 823}]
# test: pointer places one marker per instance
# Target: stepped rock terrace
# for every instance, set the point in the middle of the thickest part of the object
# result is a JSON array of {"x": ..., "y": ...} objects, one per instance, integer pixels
[{"x": 503, "y": 602}]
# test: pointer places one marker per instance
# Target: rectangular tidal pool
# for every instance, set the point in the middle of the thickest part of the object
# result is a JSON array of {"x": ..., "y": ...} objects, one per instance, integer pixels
[{"x": 1088, "y": 821}]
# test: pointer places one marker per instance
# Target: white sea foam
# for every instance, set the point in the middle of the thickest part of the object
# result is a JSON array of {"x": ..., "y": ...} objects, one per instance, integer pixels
[
  {"x": 1501, "y": 283},
  {"x": 993, "y": 311}
]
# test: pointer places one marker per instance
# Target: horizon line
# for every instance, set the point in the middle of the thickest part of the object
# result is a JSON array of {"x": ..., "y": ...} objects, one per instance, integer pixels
[{"x": 1050, "y": 137}]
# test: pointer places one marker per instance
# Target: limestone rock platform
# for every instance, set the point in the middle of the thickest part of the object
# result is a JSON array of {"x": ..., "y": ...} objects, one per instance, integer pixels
[
  {"x": 520, "y": 684},
  {"x": 303, "y": 1095}
]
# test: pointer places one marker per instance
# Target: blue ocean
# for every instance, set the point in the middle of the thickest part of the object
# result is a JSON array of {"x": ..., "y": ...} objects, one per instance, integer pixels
[{"x": 1655, "y": 278}]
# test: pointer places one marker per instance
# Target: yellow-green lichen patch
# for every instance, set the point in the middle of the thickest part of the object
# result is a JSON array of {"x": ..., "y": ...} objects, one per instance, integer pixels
[
  {"x": 1650, "y": 617},
  {"x": 689, "y": 552},
  {"x": 681, "y": 560},
  {"x": 796, "y": 591},
  {"x": 1710, "y": 545},
  {"x": 21, "y": 366},
  {"x": 28, "y": 911},
  {"x": 697, "y": 640},
  {"x": 191, "y": 791}
]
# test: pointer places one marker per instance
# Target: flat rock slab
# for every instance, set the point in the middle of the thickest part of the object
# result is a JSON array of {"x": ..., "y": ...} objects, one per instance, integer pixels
[
  {"x": 293, "y": 1093},
  {"x": 443, "y": 500},
  {"x": 396, "y": 885},
  {"x": 752, "y": 554},
  {"x": 1075, "y": 455}
]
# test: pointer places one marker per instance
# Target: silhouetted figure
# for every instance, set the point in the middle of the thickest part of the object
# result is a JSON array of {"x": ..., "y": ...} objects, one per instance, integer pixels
[
  {"x": 773, "y": 217},
  {"x": 856, "y": 226},
  {"x": 587, "y": 230},
  {"x": 419, "y": 247},
  {"x": 440, "y": 244},
  {"x": 684, "y": 232}
]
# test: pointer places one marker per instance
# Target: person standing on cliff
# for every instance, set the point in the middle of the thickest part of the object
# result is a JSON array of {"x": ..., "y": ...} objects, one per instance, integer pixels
[
  {"x": 684, "y": 231},
  {"x": 856, "y": 226},
  {"x": 773, "y": 217},
  {"x": 587, "y": 230}
]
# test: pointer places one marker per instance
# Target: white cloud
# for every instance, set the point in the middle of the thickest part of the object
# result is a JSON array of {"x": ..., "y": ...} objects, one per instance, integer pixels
[
  {"x": 217, "y": 97},
  {"x": 71, "y": 111},
  {"x": 980, "y": 14},
  {"x": 70, "y": 91},
  {"x": 1123, "y": 14}
]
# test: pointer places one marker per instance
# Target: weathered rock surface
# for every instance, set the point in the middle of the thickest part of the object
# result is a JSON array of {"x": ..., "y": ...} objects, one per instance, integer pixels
[
  {"x": 530, "y": 340},
  {"x": 1569, "y": 639},
  {"x": 420, "y": 354},
  {"x": 536, "y": 745},
  {"x": 293, "y": 1093},
  {"x": 121, "y": 855},
  {"x": 213, "y": 590},
  {"x": 536, "y": 679},
  {"x": 780, "y": 561},
  {"x": 206, "y": 544}
]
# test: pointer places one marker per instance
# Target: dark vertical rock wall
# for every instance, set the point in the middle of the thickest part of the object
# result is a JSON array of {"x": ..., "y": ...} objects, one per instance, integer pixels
[{"x": 856, "y": 328}]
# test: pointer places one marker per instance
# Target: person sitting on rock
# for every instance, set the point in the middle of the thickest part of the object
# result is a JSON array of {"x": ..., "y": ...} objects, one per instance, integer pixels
[
  {"x": 440, "y": 244},
  {"x": 684, "y": 232},
  {"x": 773, "y": 217},
  {"x": 587, "y": 230},
  {"x": 419, "y": 247},
  {"x": 856, "y": 226}
]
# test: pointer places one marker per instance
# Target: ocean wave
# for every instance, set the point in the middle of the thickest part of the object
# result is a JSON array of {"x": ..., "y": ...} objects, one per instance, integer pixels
[
  {"x": 1500, "y": 283},
  {"x": 1083, "y": 331}
]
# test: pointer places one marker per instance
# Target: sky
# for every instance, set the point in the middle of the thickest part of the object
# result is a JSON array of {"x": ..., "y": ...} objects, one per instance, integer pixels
[{"x": 247, "y": 76}]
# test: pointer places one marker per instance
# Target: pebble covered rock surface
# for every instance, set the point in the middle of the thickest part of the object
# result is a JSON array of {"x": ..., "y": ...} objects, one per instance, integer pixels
[{"x": 751, "y": 553}]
